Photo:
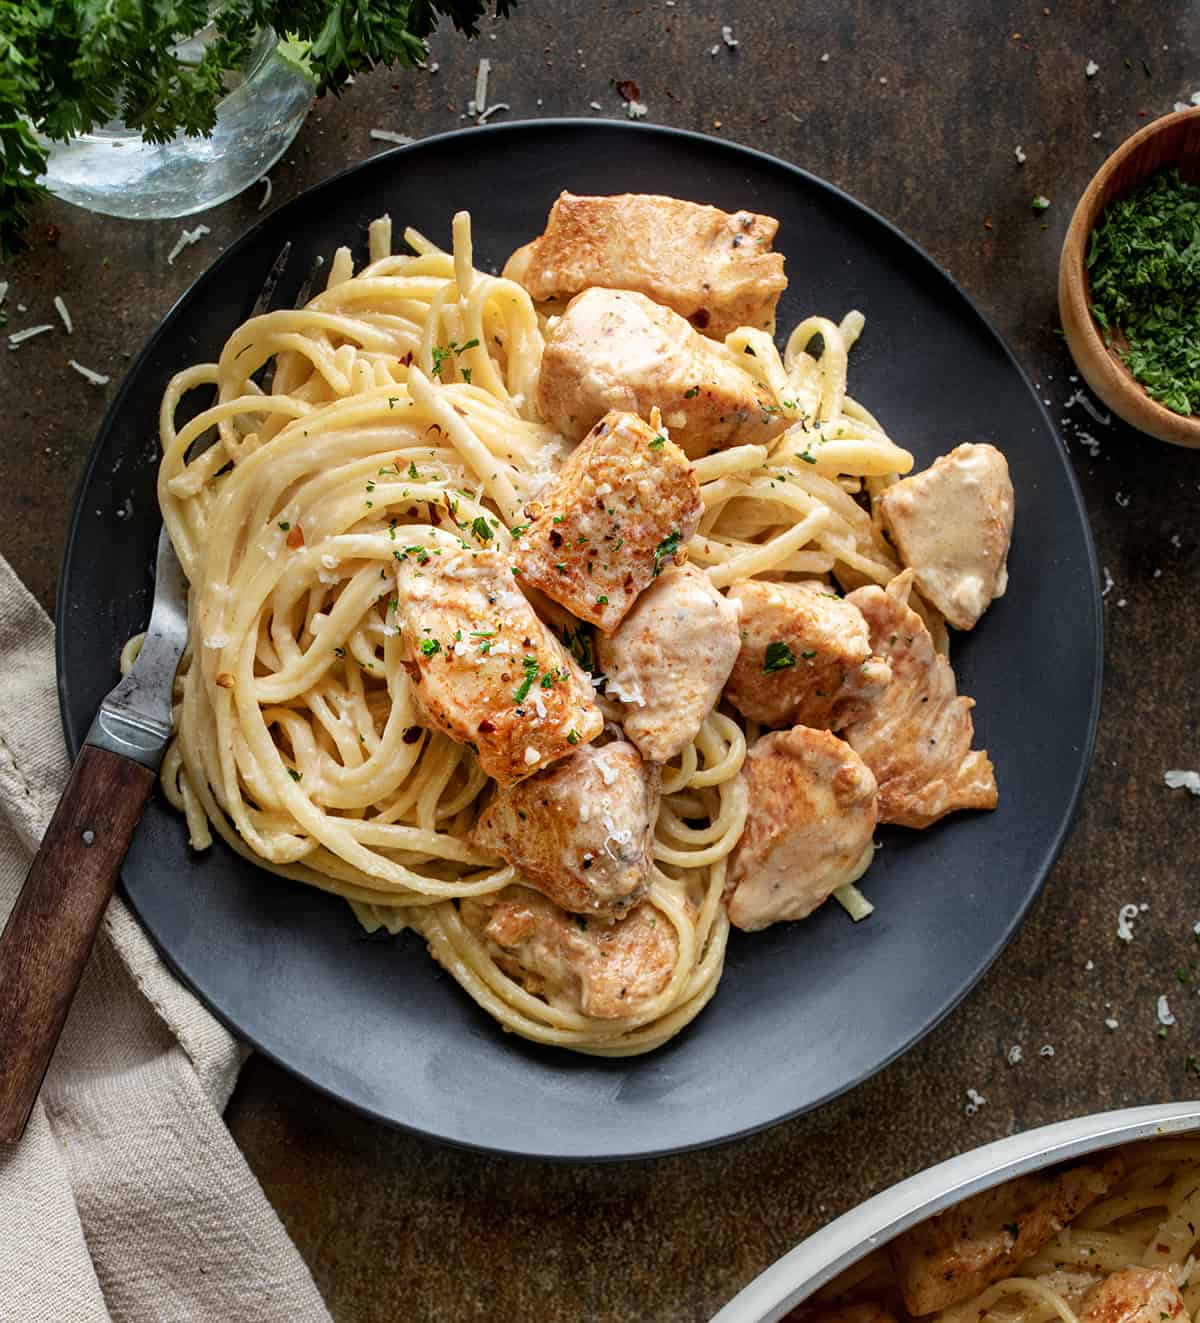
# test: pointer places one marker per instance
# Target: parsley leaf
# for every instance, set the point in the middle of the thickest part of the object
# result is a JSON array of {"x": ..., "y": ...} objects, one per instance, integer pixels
[
  {"x": 521, "y": 692},
  {"x": 778, "y": 657},
  {"x": 665, "y": 550},
  {"x": 430, "y": 646}
]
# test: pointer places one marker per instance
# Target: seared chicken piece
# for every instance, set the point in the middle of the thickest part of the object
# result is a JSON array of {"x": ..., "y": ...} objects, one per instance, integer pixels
[
  {"x": 582, "y": 831},
  {"x": 669, "y": 659},
  {"x": 917, "y": 736},
  {"x": 616, "y": 350},
  {"x": 623, "y": 505},
  {"x": 954, "y": 1255},
  {"x": 484, "y": 668},
  {"x": 713, "y": 268},
  {"x": 809, "y": 829},
  {"x": 1135, "y": 1295},
  {"x": 606, "y": 970},
  {"x": 806, "y": 657},
  {"x": 952, "y": 524}
]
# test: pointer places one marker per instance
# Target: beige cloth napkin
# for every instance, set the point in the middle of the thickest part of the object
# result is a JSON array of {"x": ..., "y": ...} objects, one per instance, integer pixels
[{"x": 127, "y": 1199}]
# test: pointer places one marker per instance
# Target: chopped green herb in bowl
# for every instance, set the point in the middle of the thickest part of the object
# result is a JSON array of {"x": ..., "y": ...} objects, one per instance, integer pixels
[{"x": 1143, "y": 263}]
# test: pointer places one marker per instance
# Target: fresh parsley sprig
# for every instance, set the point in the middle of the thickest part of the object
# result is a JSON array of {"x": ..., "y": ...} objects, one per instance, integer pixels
[{"x": 67, "y": 66}]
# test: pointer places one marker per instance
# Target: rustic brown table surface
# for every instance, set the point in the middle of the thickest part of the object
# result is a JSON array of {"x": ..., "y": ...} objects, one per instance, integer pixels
[{"x": 918, "y": 111}]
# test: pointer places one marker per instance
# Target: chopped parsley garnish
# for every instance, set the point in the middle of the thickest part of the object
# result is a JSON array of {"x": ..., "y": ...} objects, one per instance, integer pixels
[
  {"x": 283, "y": 523},
  {"x": 479, "y": 526},
  {"x": 806, "y": 456},
  {"x": 466, "y": 375},
  {"x": 462, "y": 349},
  {"x": 691, "y": 394},
  {"x": 1144, "y": 265},
  {"x": 518, "y": 530},
  {"x": 370, "y": 485},
  {"x": 430, "y": 646},
  {"x": 339, "y": 652},
  {"x": 602, "y": 601},
  {"x": 412, "y": 471},
  {"x": 572, "y": 736},
  {"x": 778, "y": 657},
  {"x": 393, "y": 400},
  {"x": 556, "y": 519},
  {"x": 579, "y": 645},
  {"x": 295, "y": 775},
  {"x": 580, "y": 922},
  {"x": 665, "y": 550},
  {"x": 521, "y": 692},
  {"x": 658, "y": 443},
  {"x": 483, "y": 633},
  {"x": 439, "y": 358},
  {"x": 1013, "y": 1230},
  {"x": 808, "y": 656}
]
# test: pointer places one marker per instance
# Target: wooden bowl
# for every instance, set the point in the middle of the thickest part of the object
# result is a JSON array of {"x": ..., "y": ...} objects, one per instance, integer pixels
[{"x": 1170, "y": 142}]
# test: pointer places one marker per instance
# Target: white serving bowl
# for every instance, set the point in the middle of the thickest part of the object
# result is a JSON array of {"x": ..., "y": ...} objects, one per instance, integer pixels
[{"x": 833, "y": 1249}]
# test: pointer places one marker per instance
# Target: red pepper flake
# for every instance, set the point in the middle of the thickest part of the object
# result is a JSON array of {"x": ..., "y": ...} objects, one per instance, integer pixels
[
  {"x": 295, "y": 537},
  {"x": 53, "y": 234},
  {"x": 1016, "y": 36},
  {"x": 486, "y": 727},
  {"x": 628, "y": 90}
]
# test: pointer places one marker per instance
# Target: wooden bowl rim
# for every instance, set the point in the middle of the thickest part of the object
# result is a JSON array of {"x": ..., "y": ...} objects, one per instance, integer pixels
[{"x": 1083, "y": 221}]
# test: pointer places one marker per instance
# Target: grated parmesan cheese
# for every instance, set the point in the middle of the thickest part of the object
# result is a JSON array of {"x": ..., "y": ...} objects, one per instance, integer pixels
[
  {"x": 1091, "y": 69},
  {"x": 19, "y": 337},
  {"x": 595, "y": 105},
  {"x": 856, "y": 905},
  {"x": 1110, "y": 1023},
  {"x": 1046, "y": 1050},
  {"x": 481, "y": 85},
  {"x": 1019, "y": 153},
  {"x": 1014, "y": 1055},
  {"x": 1177, "y": 779},
  {"x": 61, "y": 308},
  {"x": 727, "y": 36},
  {"x": 636, "y": 110},
  {"x": 975, "y": 1101},
  {"x": 3, "y": 291},
  {"x": 825, "y": 57},
  {"x": 1165, "y": 1015},
  {"x": 532, "y": 756},
  {"x": 266, "y": 197},
  {"x": 93, "y": 378},
  {"x": 1124, "y": 921},
  {"x": 386, "y": 135},
  {"x": 185, "y": 240}
]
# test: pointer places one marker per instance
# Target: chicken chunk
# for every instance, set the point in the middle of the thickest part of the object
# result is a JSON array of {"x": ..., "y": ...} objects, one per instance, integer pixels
[
  {"x": 606, "y": 970},
  {"x": 806, "y": 657},
  {"x": 713, "y": 268},
  {"x": 917, "y": 736},
  {"x": 669, "y": 659},
  {"x": 582, "y": 831},
  {"x": 953, "y": 524},
  {"x": 484, "y": 668},
  {"x": 1135, "y": 1295},
  {"x": 809, "y": 829},
  {"x": 622, "y": 507},
  {"x": 953, "y": 1256},
  {"x": 617, "y": 350}
]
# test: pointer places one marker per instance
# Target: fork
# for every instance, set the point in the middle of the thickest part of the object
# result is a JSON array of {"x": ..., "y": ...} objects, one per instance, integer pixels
[{"x": 53, "y": 925}]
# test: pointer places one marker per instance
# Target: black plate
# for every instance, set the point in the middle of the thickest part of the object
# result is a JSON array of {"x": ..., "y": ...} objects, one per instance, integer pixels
[{"x": 805, "y": 1011}]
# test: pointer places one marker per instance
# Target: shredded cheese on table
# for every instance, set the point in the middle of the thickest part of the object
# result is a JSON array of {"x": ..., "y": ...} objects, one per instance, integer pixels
[
  {"x": 185, "y": 240},
  {"x": 19, "y": 337}
]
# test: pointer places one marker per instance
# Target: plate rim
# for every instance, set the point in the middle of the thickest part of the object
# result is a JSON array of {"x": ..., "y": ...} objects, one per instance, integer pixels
[{"x": 74, "y": 733}]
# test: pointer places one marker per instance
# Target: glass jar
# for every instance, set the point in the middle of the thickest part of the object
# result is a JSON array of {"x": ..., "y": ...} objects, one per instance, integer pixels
[{"x": 114, "y": 170}]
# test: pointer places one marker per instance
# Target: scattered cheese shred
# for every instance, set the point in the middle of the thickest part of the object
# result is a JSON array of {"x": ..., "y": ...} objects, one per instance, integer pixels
[
  {"x": 3, "y": 291},
  {"x": 1165, "y": 1016},
  {"x": 96, "y": 378},
  {"x": 1046, "y": 1050},
  {"x": 19, "y": 337},
  {"x": 1019, "y": 153},
  {"x": 636, "y": 110},
  {"x": 481, "y": 86},
  {"x": 1014, "y": 1055},
  {"x": 727, "y": 36},
  {"x": 1110, "y": 1023},
  {"x": 266, "y": 197},
  {"x": 484, "y": 116},
  {"x": 1091, "y": 69},
  {"x": 386, "y": 135},
  {"x": 61, "y": 309},
  {"x": 975, "y": 1101},
  {"x": 185, "y": 240},
  {"x": 1178, "y": 779},
  {"x": 1125, "y": 921}
]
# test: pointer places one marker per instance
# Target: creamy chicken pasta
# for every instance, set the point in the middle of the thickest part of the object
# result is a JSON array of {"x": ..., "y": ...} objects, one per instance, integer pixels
[
  {"x": 1109, "y": 1240},
  {"x": 560, "y": 617}
]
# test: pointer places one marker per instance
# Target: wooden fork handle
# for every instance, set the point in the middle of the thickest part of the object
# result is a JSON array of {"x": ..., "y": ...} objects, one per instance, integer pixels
[{"x": 50, "y": 931}]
